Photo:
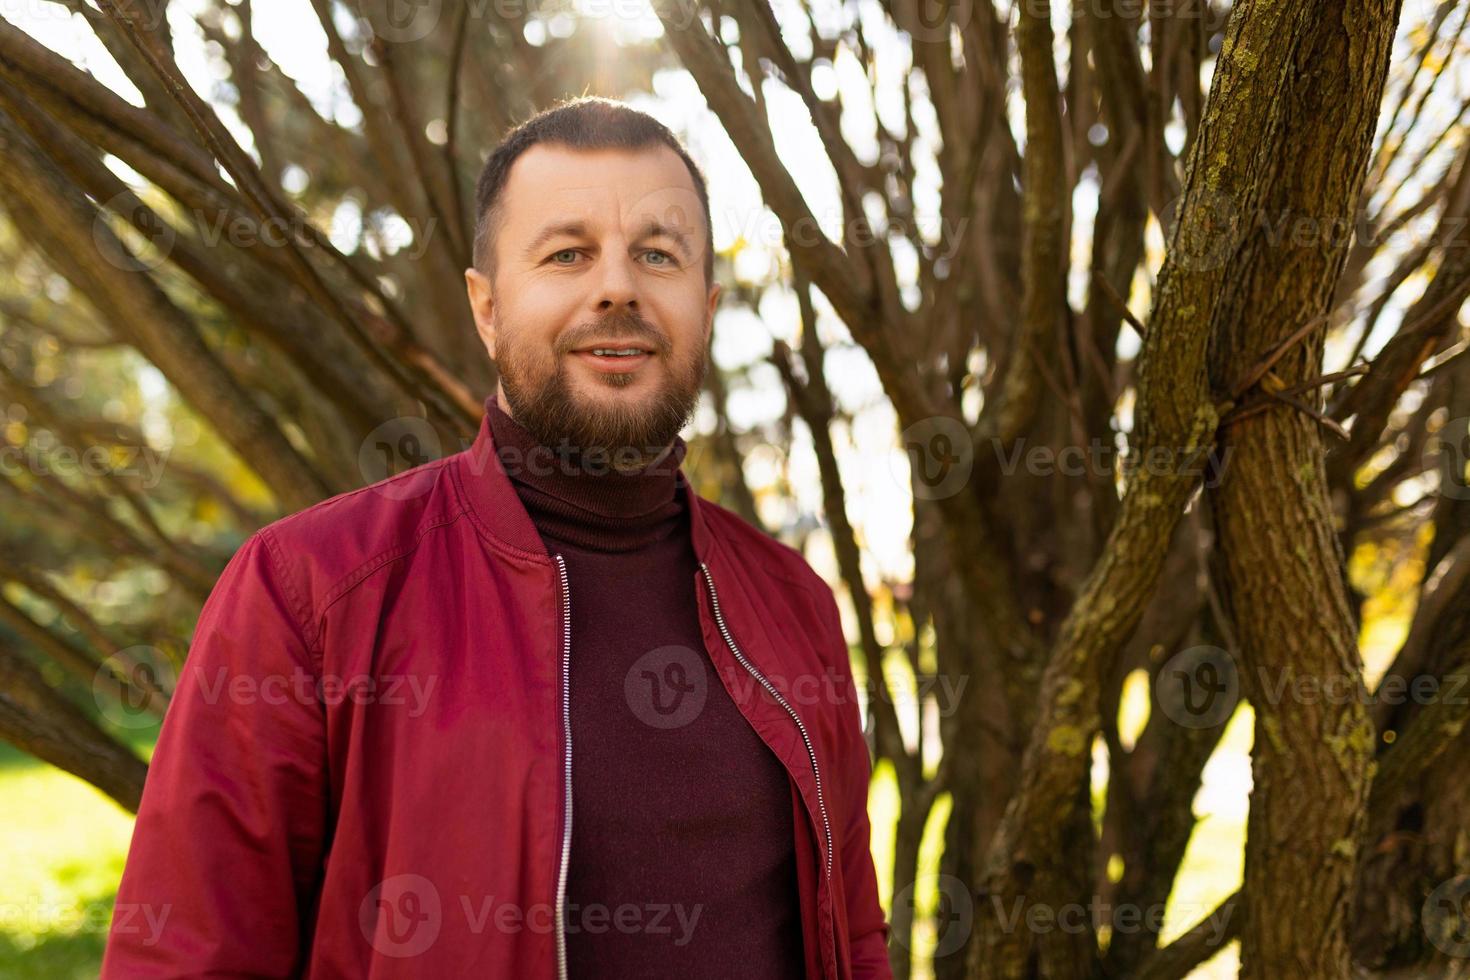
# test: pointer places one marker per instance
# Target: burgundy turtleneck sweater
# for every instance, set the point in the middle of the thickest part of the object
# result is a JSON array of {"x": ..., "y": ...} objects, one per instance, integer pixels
[{"x": 682, "y": 859}]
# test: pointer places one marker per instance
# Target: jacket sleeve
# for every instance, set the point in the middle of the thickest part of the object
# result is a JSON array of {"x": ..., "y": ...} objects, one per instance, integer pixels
[
  {"x": 223, "y": 869},
  {"x": 867, "y": 928}
]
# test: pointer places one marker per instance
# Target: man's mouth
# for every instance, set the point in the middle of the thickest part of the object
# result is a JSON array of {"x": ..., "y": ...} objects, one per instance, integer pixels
[{"x": 615, "y": 358}]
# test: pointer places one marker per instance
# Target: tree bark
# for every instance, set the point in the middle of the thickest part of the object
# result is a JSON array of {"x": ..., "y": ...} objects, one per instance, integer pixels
[{"x": 1282, "y": 583}]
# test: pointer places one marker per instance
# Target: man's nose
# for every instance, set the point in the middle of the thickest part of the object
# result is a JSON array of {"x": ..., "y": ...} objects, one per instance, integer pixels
[{"x": 618, "y": 285}]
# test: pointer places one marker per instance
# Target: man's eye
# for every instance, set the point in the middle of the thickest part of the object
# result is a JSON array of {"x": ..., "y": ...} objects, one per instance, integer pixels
[
  {"x": 566, "y": 251},
  {"x": 665, "y": 257}
]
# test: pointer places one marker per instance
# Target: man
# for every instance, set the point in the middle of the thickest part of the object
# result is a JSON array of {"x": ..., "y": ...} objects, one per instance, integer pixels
[{"x": 534, "y": 709}]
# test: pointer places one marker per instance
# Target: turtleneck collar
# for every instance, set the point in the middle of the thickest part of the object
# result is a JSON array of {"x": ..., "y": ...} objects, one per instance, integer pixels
[{"x": 591, "y": 507}]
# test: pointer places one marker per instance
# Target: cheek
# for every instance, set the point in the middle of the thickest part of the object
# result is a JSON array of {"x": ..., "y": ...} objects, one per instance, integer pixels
[
  {"x": 684, "y": 319},
  {"x": 533, "y": 320}
]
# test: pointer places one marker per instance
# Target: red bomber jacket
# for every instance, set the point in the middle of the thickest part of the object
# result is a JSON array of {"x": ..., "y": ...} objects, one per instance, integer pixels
[{"x": 364, "y": 770}]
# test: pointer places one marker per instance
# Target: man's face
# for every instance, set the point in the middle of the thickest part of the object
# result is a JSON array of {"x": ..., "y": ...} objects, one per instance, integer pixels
[{"x": 599, "y": 314}]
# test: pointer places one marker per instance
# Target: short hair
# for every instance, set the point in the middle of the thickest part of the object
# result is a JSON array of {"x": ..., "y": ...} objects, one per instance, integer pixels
[{"x": 583, "y": 123}]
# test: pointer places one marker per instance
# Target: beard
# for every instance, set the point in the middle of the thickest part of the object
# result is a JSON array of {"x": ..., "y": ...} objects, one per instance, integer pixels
[{"x": 543, "y": 401}]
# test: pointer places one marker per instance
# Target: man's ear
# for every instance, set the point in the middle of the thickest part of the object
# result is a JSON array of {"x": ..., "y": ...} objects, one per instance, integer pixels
[
  {"x": 482, "y": 307},
  {"x": 709, "y": 313}
]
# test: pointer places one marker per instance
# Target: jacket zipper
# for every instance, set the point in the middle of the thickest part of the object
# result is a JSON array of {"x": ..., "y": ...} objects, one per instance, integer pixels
[
  {"x": 810, "y": 751},
  {"x": 566, "y": 700},
  {"x": 566, "y": 721}
]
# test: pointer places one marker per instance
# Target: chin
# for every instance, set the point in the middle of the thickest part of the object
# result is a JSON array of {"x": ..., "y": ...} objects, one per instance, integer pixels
[{"x": 619, "y": 386}]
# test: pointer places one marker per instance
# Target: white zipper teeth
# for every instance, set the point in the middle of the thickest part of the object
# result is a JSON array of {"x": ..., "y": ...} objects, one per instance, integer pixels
[
  {"x": 566, "y": 715},
  {"x": 810, "y": 751}
]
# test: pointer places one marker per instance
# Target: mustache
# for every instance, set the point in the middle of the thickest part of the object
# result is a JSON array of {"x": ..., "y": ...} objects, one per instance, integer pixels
[{"x": 629, "y": 325}]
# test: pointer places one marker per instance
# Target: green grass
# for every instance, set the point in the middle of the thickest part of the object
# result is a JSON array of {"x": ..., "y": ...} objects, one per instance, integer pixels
[{"x": 65, "y": 844}]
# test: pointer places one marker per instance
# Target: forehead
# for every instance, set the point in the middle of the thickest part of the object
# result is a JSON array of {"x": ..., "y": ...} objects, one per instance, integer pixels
[{"x": 550, "y": 182}]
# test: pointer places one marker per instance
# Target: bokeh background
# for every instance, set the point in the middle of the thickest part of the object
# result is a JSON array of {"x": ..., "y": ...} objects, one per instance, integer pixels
[{"x": 977, "y": 258}]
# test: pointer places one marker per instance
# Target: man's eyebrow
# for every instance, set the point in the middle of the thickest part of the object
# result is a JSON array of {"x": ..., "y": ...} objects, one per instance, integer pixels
[
  {"x": 654, "y": 228},
  {"x": 571, "y": 228}
]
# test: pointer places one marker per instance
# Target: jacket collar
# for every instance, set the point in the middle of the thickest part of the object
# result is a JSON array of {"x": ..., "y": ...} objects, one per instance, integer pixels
[{"x": 496, "y": 508}]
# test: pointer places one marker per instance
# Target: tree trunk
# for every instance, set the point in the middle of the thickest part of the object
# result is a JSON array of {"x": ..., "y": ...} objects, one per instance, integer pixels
[{"x": 1325, "y": 65}]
